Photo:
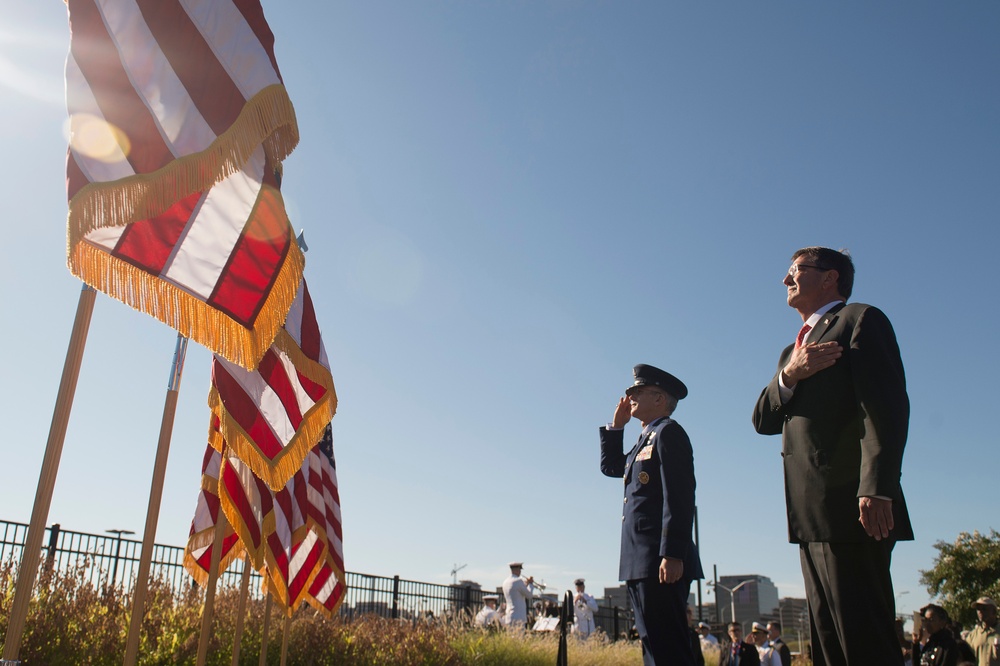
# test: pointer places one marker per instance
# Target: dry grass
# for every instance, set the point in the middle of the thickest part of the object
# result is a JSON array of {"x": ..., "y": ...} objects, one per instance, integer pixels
[{"x": 71, "y": 622}]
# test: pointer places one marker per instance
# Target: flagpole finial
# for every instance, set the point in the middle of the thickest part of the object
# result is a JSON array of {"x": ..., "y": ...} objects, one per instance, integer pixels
[{"x": 301, "y": 240}]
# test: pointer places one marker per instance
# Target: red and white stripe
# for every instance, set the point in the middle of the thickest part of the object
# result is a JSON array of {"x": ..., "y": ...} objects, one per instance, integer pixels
[
  {"x": 174, "y": 202},
  {"x": 273, "y": 416},
  {"x": 198, "y": 552},
  {"x": 328, "y": 587}
]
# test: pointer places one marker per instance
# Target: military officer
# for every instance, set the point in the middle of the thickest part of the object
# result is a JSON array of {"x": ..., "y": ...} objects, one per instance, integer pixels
[
  {"x": 584, "y": 607},
  {"x": 517, "y": 593},
  {"x": 658, "y": 556}
]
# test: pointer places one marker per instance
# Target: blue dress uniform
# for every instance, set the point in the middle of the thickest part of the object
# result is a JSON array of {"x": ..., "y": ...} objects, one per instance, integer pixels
[{"x": 657, "y": 521}]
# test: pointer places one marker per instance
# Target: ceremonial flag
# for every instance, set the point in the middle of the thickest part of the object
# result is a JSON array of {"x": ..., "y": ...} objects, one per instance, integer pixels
[
  {"x": 293, "y": 536},
  {"x": 178, "y": 124},
  {"x": 328, "y": 586},
  {"x": 273, "y": 416},
  {"x": 198, "y": 553}
]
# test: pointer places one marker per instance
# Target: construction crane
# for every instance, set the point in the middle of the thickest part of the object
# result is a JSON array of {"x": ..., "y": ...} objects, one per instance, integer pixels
[{"x": 454, "y": 572}]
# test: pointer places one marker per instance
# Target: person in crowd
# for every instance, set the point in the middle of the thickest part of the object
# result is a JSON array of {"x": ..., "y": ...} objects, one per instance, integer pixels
[
  {"x": 965, "y": 651},
  {"x": 768, "y": 655},
  {"x": 584, "y": 607},
  {"x": 488, "y": 617},
  {"x": 774, "y": 638},
  {"x": 699, "y": 656},
  {"x": 737, "y": 652},
  {"x": 839, "y": 401},
  {"x": 517, "y": 595},
  {"x": 708, "y": 640},
  {"x": 939, "y": 648},
  {"x": 984, "y": 638},
  {"x": 658, "y": 556}
]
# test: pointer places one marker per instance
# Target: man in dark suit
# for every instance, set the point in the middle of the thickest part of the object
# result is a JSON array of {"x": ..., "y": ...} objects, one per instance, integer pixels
[
  {"x": 736, "y": 652},
  {"x": 774, "y": 639},
  {"x": 658, "y": 557},
  {"x": 839, "y": 401}
]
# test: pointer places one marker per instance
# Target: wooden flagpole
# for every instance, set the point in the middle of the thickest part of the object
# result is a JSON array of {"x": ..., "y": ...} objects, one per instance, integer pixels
[
  {"x": 264, "y": 630},
  {"x": 241, "y": 610},
  {"x": 284, "y": 639},
  {"x": 208, "y": 610},
  {"x": 32, "y": 551},
  {"x": 155, "y": 495}
]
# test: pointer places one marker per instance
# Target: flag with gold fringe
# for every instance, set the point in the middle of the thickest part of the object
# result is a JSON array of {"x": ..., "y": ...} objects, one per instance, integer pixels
[
  {"x": 178, "y": 124},
  {"x": 271, "y": 417},
  {"x": 293, "y": 536},
  {"x": 201, "y": 539},
  {"x": 328, "y": 586}
]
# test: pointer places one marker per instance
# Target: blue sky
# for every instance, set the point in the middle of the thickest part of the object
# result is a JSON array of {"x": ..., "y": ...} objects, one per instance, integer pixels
[{"x": 508, "y": 205}]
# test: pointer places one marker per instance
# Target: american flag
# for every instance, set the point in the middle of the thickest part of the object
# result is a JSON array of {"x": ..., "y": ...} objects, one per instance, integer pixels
[
  {"x": 201, "y": 539},
  {"x": 178, "y": 123},
  {"x": 273, "y": 416},
  {"x": 328, "y": 586},
  {"x": 293, "y": 535}
]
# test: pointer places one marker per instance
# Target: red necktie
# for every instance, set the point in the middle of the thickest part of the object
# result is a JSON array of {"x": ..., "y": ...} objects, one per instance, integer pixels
[{"x": 803, "y": 332}]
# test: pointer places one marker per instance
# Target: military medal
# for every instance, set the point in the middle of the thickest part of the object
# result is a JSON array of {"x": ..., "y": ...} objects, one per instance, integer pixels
[{"x": 643, "y": 478}]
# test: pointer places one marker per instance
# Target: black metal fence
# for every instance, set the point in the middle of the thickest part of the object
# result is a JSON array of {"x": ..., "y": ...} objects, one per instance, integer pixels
[{"x": 114, "y": 559}]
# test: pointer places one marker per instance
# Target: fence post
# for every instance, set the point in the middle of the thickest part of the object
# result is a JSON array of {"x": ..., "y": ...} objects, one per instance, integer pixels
[
  {"x": 617, "y": 634},
  {"x": 50, "y": 554},
  {"x": 395, "y": 597}
]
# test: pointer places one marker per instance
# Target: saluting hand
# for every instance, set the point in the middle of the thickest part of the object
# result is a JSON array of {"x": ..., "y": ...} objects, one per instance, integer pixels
[
  {"x": 623, "y": 413},
  {"x": 809, "y": 359}
]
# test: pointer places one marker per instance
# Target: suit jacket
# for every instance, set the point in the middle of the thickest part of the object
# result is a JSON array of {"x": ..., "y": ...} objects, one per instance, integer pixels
[
  {"x": 658, "y": 514},
  {"x": 747, "y": 653},
  {"x": 844, "y": 429},
  {"x": 783, "y": 652}
]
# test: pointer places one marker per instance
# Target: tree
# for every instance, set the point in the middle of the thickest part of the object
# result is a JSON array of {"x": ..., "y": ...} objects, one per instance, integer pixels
[{"x": 963, "y": 572}]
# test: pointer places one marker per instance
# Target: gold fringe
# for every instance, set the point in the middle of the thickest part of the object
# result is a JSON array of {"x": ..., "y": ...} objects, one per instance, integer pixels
[
  {"x": 215, "y": 438},
  {"x": 312, "y": 601},
  {"x": 267, "y": 526},
  {"x": 189, "y": 315},
  {"x": 276, "y": 472},
  {"x": 267, "y": 119},
  {"x": 313, "y": 370},
  {"x": 206, "y": 539},
  {"x": 279, "y": 587}
]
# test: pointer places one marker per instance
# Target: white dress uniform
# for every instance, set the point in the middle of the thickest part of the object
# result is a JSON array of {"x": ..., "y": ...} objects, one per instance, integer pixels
[
  {"x": 583, "y": 612},
  {"x": 487, "y": 617},
  {"x": 517, "y": 594}
]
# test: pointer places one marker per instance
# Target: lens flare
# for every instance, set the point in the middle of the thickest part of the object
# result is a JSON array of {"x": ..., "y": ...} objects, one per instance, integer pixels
[{"x": 97, "y": 138}]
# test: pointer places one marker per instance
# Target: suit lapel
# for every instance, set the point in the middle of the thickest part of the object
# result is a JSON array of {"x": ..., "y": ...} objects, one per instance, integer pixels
[{"x": 825, "y": 323}]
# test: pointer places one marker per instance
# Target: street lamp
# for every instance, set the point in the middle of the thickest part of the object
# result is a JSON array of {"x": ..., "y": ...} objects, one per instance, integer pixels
[
  {"x": 118, "y": 548},
  {"x": 732, "y": 597}
]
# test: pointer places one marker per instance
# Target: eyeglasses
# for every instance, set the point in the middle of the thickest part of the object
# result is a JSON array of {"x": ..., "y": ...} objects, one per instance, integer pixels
[{"x": 795, "y": 269}]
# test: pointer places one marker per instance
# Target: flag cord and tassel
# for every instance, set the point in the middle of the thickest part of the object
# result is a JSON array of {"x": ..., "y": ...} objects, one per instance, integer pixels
[
  {"x": 155, "y": 495},
  {"x": 47, "y": 477},
  {"x": 208, "y": 610}
]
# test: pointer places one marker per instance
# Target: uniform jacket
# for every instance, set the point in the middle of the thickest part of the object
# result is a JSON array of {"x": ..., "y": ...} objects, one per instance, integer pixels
[
  {"x": 783, "y": 652},
  {"x": 658, "y": 513},
  {"x": 583, "y": 614},
  {"x": 844, "y": 429},
  {"x": 518, "y": 596}
]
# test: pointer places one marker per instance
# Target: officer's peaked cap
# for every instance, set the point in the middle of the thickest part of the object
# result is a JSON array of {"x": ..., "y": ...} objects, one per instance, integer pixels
[{"x": 647, "y": 375}]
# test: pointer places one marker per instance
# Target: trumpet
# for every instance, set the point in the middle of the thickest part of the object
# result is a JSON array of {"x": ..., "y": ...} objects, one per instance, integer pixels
[{"x": 530, "y": 580}]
